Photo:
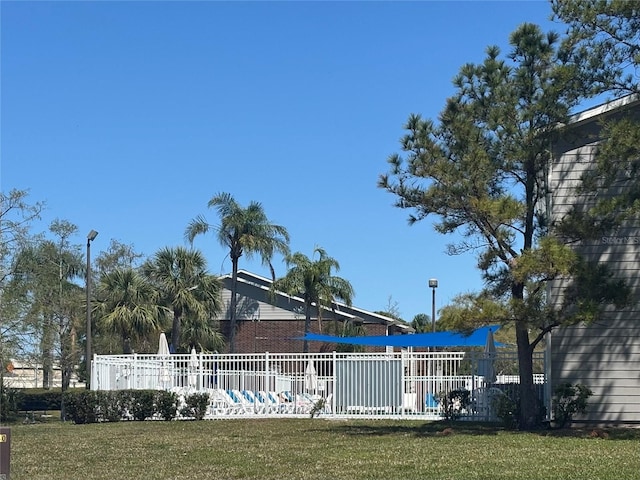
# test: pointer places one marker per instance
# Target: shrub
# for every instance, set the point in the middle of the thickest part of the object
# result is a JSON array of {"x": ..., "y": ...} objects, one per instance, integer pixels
[
  {"x": 37, "y": 399},
  {"x": 141, "y": 406},
  {"x": 454, "y": 403},
  {"x": 196, "y": 405},
  {"x": 568, "y": 400},
  {"x": 110, "y": 406},
  {"x": 9, "y": 403},
  {"x": 506, "y": 409},
  {"x": 82, "y": 406},
  {"x": 166, "y": 404},
  {"x": 318, "y": 407}
]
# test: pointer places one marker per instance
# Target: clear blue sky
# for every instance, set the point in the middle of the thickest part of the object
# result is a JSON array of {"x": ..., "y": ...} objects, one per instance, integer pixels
[{"x": 127, "y": 117}]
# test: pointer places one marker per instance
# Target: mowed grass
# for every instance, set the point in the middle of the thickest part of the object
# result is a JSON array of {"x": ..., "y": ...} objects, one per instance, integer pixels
[{"x": 315, "y": 449}]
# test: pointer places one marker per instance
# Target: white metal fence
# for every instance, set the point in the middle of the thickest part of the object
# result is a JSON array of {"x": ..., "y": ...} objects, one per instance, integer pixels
[{"x": 397, "y": 384}]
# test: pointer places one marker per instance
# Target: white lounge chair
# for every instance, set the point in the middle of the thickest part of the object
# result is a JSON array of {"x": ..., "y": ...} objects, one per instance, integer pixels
[
  {"x": 243, "y": 402},
  {"x": 220, "y": 403},
  {"x": 270, "y": 401},
  {"x": 256, "y": 402}
]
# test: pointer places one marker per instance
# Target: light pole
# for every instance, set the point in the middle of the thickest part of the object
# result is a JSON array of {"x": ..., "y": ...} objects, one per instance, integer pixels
[
  {"x": 433, "y": 284},
  {"x": 90, "y": 237}
]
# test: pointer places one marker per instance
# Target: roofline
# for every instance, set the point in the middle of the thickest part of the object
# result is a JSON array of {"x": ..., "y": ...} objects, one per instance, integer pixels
[
  {"x": 387, "y": 320},
  {"x": 604, "y": 108}
]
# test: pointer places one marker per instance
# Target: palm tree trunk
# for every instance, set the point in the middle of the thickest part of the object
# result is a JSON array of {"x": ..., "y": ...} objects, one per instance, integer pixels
[
  {"x": 307, "y": 325},
  {"x": 232, "y": 306},
  {"x": 175, "y": 331},
  {"x": 126, "y": 344},
  {"x": 319, "y": 318}
]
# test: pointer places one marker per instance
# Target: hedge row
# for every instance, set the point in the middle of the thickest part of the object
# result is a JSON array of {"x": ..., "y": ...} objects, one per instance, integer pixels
[
  {"x": 89, "y": 406},
  {"x": 39, "y": 399}
]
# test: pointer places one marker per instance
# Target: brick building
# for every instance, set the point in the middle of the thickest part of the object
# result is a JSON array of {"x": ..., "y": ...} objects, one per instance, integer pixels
[{"x": 274, "y": 325}]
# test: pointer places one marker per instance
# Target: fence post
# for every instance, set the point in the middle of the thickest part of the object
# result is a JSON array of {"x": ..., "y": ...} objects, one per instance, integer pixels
[
  {"x": 403, "y": 380},
  {"x": 334, "y": 382}
]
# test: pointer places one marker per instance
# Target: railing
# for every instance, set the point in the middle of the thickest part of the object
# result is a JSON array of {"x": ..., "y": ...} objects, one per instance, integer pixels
[{"x": 397, "y": 384}]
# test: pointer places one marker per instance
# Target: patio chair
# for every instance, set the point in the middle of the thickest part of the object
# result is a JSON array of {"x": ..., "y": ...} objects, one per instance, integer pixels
[
  {"x": 431, "y": 404},
  {"x": 221, "y": 403},
  {"x": 304, "y": 403},
  {"x": 258, "y": 405},
  {"x": 269, "y": 400},
  {"x": 243, "y": 402},
  {"x": 217, "y": 405},
  {"x": 286, "y": 401}
]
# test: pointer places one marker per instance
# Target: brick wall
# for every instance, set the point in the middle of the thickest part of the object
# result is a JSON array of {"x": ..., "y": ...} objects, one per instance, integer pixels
[{"x": 278, "y": 336}]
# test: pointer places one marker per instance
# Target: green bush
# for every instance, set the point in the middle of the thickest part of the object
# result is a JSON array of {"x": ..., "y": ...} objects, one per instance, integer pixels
[
  {"x": 110, "y": 405},
  {"x": 166, "y": 405},
  {"x": 39, "y": 399},
  {"x": 568, "y": 400},
  {"x": 318, "y": 407},
  {"x": 506, "y": 409},
  {"x": 506, "y": 406},
  {"x": 141, "y": 404},
  {"x": 88, "y": 406},
  {"x": 81, "y": 406},
  {"x": 453, "y": 403},
  {"x": 10, "y": 399},
  {"x": 196, "y": 405}
]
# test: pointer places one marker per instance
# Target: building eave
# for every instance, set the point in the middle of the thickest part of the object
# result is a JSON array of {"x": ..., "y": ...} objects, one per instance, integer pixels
[{"x": 342, "y": 309}]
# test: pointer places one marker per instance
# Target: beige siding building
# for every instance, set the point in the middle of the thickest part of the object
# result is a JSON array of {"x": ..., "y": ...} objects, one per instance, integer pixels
[{"x": 604, "y": 356}]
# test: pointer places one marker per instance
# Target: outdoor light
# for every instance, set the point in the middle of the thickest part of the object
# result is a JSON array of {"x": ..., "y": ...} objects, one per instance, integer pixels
[
  {"x": 433, "y": 284},
  {"x": 90, "y": 237}
]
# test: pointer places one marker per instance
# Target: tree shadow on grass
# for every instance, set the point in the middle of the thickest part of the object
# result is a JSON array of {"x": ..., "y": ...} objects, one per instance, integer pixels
[
  {"x": 427, "y": 429},
  {"x": 607, "y": 433},
  {"x": 445, "y": 428}
]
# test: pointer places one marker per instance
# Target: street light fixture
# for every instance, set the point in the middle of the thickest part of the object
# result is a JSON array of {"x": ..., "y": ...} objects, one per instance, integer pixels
[
  {"x": 90, "y": 237},
  {"x": 433, "y": 284}
]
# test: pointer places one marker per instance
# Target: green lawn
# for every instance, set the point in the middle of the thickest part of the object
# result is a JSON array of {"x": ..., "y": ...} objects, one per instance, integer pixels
[{"x": 315, "y": 449}]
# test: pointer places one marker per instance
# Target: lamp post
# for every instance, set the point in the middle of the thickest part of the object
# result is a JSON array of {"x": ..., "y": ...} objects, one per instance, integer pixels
[
  {"x": 433, "y": 284},
  {"x": 90, "y": 237}
]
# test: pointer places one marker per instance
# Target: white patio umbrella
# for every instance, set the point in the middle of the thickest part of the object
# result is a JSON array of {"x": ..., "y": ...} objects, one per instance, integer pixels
[
  {"x": 310, "y": 377},
  {"x": 163, "y": 353},
  {"x": 163, "y": 346},
  {"x": 194, "y": 364},
  {"x": 486, "y": 362}
]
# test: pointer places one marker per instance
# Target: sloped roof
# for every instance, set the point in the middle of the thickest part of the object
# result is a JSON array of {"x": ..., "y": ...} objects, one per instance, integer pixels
[
  {"x": 611, "y": 106},
  {"x": 342, "y": 310}
]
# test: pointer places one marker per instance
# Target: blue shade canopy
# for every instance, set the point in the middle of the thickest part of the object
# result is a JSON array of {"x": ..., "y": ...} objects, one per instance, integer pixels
[{"x": 477, "y": 338}]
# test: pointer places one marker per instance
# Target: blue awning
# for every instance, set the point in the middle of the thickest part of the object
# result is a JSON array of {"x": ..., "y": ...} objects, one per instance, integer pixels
[{"x": 477, "y": 338}]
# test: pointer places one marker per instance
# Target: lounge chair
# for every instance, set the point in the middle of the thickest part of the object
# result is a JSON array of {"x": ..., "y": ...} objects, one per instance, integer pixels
[{"x": 255, "y": 401}]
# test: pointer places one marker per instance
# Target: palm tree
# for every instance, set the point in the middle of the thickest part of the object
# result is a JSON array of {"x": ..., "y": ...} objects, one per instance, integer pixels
[
  {"x": 351, "y": 328},
  {"x": 128, "y": 306},
  {"x": 186, "y": 288},
  {"x": 46, "y": 276},
  {"x": 312, "y": 280},
  {"x": 245, "y": 231},
  {"x": 205, "y": 336},
  {"x": 422, "y": 323}
]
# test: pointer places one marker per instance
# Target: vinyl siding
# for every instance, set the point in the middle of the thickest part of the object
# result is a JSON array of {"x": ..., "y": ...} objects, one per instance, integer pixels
[{"x": 605, "y": 356}]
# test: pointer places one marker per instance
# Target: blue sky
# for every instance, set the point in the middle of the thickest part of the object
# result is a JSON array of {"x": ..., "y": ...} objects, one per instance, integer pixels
[{"x": 127, "y": 117}]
